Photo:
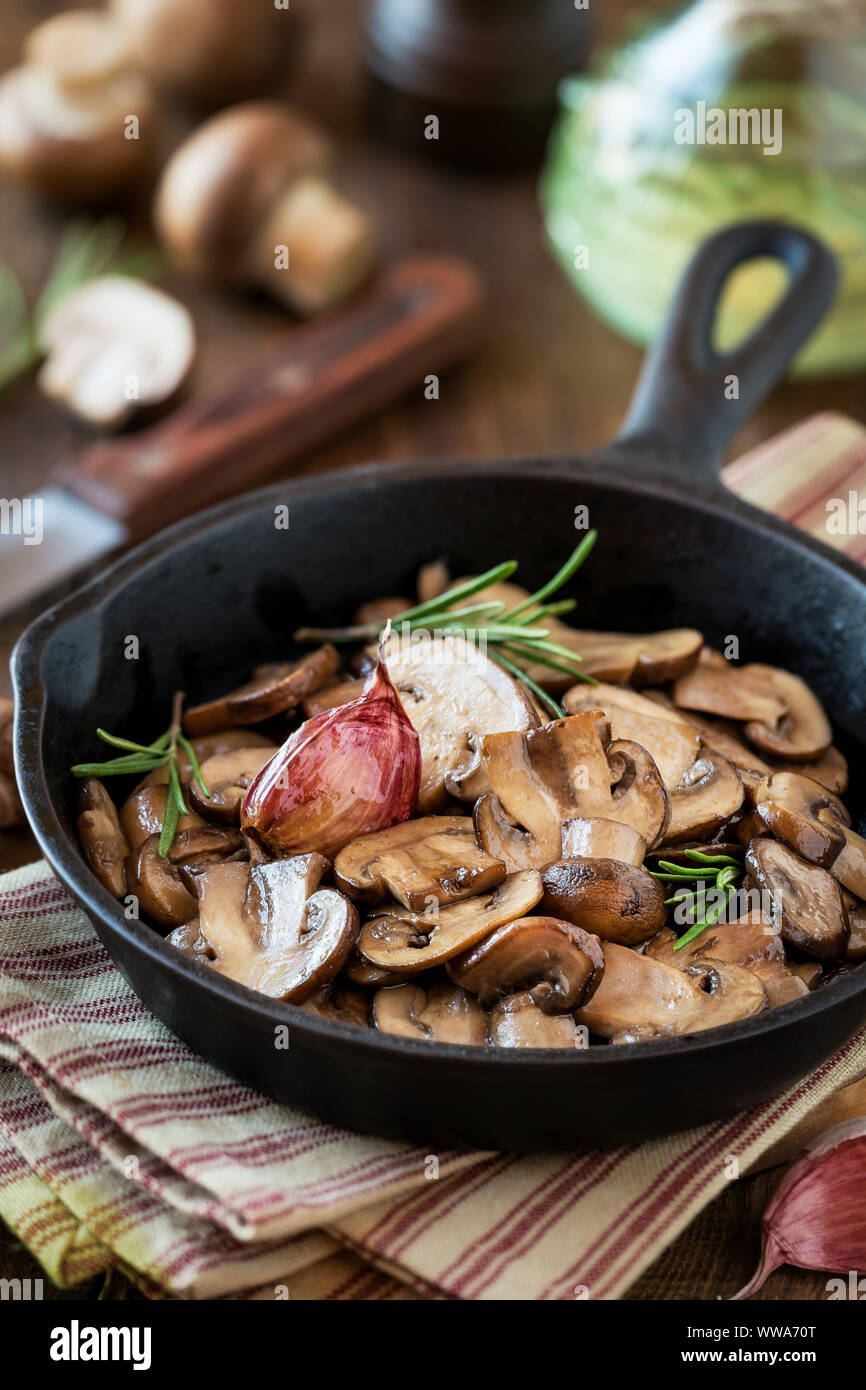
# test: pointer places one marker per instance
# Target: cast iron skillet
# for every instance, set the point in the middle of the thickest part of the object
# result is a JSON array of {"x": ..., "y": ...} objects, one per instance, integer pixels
[{"x": 213, "y": 596}]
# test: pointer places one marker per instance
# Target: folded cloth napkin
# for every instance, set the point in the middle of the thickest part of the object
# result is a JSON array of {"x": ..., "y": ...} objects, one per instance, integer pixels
[{"x": 119, "y": 1146}]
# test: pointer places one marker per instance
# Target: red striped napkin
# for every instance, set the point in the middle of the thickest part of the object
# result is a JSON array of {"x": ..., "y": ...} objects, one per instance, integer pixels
[{"x": 118, "y": 1146}]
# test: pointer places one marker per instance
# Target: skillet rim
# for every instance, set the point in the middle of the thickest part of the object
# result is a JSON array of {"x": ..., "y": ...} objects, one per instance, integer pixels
[{"x": 601, "y": 468}]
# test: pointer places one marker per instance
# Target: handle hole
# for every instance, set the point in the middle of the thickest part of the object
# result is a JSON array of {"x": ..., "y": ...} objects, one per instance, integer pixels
[{"x": 751, "y": 293}]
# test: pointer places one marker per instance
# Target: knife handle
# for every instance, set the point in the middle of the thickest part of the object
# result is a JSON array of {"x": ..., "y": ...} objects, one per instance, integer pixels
[{"x": 421, "y": 316}]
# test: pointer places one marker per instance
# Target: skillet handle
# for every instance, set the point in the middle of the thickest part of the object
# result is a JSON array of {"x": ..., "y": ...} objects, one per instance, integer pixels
[{"x": 679, "y": 411}]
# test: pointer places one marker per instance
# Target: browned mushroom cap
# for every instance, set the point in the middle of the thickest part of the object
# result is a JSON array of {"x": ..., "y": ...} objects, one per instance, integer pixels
[
  {"x": 560, "y": 964},
  {"x": 158, "y": 886},
  {"x": 100, "y": 834},
  {"x": 617, "y": 902},
  {"x": 668, "y": 737},
  {"x": 360, "y": 972},
  {"x": 143, "y": 813},
  {"x": 711, "y": 793},
  {"x": 272, "y": 690},
  {"x": 594, "y": 837},
  {"x": 807, "y": 906},
  {"x": 227, "y": 777},
  {"x": 188, "y": 938},
  {"x": 518, "y": 1022},
  {"x": 738, "y": 692},
  {"x": 639, "y": 798},
  {"x": 220, "y": 742},
  {"x": 856, "y": 948},
  {"x": 453, "y": 694},
  {"x": 790, "y": 805},
  {"x": 831, "y": 770},
  {"x": 269, "y": 928},
  {"x": 751, "y": 941},
  {"x": 407, "y": 942},
  {"x": 341, "y": 1002},
  {"x": 434, "y": 859},
  {"x": 332, "y": 696},
  {"x": 200, "y": 841},
  {"x": 723, "y": 737},
  {"x": 849, "y": 866},
  {"x": 803, "y": 733},
  {"x": 443, "y": 1013},
  {"x": 639, "y": 997}
]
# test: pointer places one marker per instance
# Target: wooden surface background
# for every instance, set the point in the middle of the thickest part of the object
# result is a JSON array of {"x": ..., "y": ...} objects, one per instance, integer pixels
[{"x": 549, "y": 379}]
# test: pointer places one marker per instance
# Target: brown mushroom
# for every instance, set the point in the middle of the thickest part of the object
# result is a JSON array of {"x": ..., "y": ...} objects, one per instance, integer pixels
[
  {"x": 849, "y": 866},
  {"x": 220, "y": 742},
  {"x": 227, "y": 777},
  {"x": 271, "y": 690},
  {"x": 831, "y": 770},
  {"x": 143, "y": 812},
  {"x": 803, "y": 733},
  {"x": 518, "y": 1022},
  {"x": 559, "y": 963},
  {"x": 615, "y": 901},
  {"x": 807, "y": 905},
  {"x": 737, "y": 692},
  {"x": 549, "y": 776},
  {"x": 751, "y": 941},
  {"x": 332, "y": 696},
  {"x": 434, "y": 579},
  {"x": 596, "y": 837},
  {"x": 270, "y": 929},
  {"x": 710, "y": 794},
  {"x": 157, "y": 884},
  {"x": 407, "y": 942},
  {"x": 639, "y": 997},
  {"x": 668, "y": 737},
  {"x": 790, "y": 806},
  {"x": 856, "y": 948},
  {"x": 454, "y": 694},
  {"x": 101, "y": 836},
  {"x": 434, "y": 859},
  {"x": 443, "y": 1013},
  {"x": 723, "y": 736},
  {"x": 341, "y": 1002},
  {"x": 244, "y": 200}
]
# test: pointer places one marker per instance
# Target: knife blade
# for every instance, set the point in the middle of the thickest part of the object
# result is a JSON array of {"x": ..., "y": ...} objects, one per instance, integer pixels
[{"x": 421, "y": 317}]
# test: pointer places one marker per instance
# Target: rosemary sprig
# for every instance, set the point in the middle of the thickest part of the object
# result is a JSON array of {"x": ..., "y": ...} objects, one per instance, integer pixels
[
  {"x": 141, "y": 758},
  {"x": 710, "y": 872},
  {"x": 510, "y": 636}
]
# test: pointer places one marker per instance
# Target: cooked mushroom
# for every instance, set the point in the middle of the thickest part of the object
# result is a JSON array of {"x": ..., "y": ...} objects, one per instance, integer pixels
[
  {"x": 341, "y": 1002},
  {"x": 849, "y": 866},
  {"x": 738, "y": 692},
  {"x": 406, "y": 942},
  {"x": 856, "y": 948},
  {"x": 596, "y": 837},
  {"x": 434, "y": 579},
  {"x": 333, "y": 695},
  {"x": 803, "y": 733},
  {"x": 272, "y": 690},
  {"x": 244, "y": 201},
  {"x": 443, "y": 1013},
  {"x": 639, "y": 997},
  {"x": 188, "y": 938},
  {"x": 668, "y": 737},
  {"x": 64, "y": 112},
  {"x": 711, "y": 793},
  {"x": 102, "y": 838},
  {"x": 518, "y": 1022},
  {"x": 434, "y": 859},
  {"x": 723, "y": 736},
  {"x": 560, "y": 961},
  {"x": 158, "y": 886},
  {"x": 453, "y": 694},
  {"x": 558, "y": 773},
  {"x": 112, "y": 346},
  {"x": 227, "y": 777},
  {"x": 807, "y": 904},
  {"x": 752, "y": 942},
  {"x": 790, "y": 805},
  {"x": 223, "y": 741},
  {"x": 831, "y": 770},
  {"x": 142, "y": 814},
  {"x": 269, "y": 927},
  {"x": 616, "y": 901}
]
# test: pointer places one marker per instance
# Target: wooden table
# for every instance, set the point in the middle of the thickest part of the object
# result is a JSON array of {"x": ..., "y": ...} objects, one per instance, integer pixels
[{"x": 550, "y": 379}]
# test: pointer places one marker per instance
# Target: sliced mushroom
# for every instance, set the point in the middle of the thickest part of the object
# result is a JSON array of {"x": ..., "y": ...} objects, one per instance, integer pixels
[
  {"x": 856, "y": 948},
  {"x": 518, "y": 1022},
  {"x": 102, "y": 839},
  {"x": 751, "y": 941},
  {"x": 227, "y": 777},
  {"x": 849, "y": 866},
  {"x": 271, "y": 690},
  {"x": 453, "y": 694},
  {"x": 434, "y": 859},
  {"x": 738, "y": 692},
  {"x": 379, "y": 610},
  {"x": 595, "y": 837},
  {"x": 670, "y": 739},
  {"x": 544, "y": 778},
  {"x": 142, "y": 814},
  {"x": 332, "y": 696},
  {"x": 157, "y": 884},
  {"x": 831, "y": 770},
  {"x": 341, "y": 1002},
  {"x": 561, "y": 962},
  {"x": 723, "y": 736},
  {"x": 113, "y": 345},
  {"x": 618, "y": 902},
  {"x": 443, "y": 1013},
  {"x": 803, "y": 733},
  {"x": 220, "y": 742},
  {"x": 188, "y": 938},
  {"x": 807, "y": 904},
  {"x": 407, "y": 942},
  {"x": 210, "y": 841},
  {"x": 790, "y": 805},
  {"x": 639, "y": 997},
  {"x": 360, "y": 972},
  {"x": 711, "y": 793},
  {"x": 270, "y": 929}
]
